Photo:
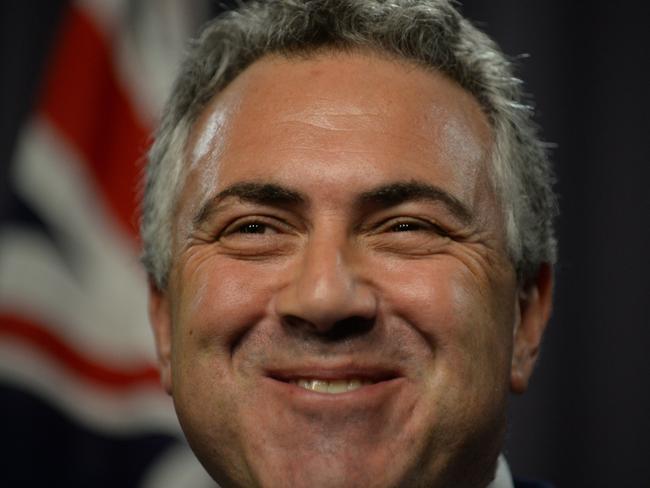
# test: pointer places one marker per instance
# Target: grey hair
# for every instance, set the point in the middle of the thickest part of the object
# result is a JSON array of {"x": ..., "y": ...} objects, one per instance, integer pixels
[{"x": 430, "y": 33}]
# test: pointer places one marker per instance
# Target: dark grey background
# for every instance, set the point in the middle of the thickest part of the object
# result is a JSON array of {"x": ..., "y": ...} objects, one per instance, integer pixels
[{"x": 586, "y": 420}]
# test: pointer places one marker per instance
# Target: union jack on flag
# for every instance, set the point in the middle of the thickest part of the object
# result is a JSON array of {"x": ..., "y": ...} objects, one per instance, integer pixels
[{"x": 81, "y": 399}]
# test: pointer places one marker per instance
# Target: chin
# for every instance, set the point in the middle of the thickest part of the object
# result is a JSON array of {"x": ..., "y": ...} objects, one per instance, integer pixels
[{"x": 329, "y": 467}]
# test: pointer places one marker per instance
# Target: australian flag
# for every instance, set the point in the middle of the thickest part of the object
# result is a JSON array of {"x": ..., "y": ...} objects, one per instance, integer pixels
[{"x": 80, "y": 394}]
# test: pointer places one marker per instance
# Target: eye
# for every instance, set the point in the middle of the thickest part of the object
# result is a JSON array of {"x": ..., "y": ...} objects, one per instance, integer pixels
[
  {"x": 412, "y": 225},
  {"x": 406, "y": 227},
  {"x": 408, "y": 236},
  {"x": 252, "y": 228},
  {"x": 257, "y": 237}
]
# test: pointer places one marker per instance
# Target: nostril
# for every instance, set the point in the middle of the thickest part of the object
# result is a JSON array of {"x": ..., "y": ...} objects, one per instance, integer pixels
[{"x": 349, "y": 327}]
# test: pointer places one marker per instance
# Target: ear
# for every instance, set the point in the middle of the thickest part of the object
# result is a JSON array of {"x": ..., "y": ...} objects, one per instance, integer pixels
[
  {"x": 535, "y": 303},
  {"x": 161, "y": 323}
]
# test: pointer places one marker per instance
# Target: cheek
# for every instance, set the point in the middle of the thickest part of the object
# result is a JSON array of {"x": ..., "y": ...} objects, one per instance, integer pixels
[
  {"x": 431, "y": 296},
  {"x": 219, "y": 301},
  {"x": 210, "y": 314},
  {"x": 462, "y": 360},
  {"x": 455, "y": 313}
]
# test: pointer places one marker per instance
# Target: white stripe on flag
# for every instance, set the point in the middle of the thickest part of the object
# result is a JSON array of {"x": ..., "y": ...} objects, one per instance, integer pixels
[
  {"x": 148, "y": 39},
  {"x": 100, "y": 305},
  {"x": 138, "y": 410}
]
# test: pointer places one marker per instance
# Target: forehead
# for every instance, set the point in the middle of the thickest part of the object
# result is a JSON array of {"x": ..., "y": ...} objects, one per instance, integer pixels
[{"x": 336, "y": 113}]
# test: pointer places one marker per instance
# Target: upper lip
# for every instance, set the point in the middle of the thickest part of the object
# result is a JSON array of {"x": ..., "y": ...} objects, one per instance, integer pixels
[{"x": 332, "y": 373}]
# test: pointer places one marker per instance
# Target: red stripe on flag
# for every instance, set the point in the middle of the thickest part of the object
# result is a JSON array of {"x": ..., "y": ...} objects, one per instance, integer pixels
[
  {"x": 85, "y": 101},
  {"x": 45, "y": 342}
]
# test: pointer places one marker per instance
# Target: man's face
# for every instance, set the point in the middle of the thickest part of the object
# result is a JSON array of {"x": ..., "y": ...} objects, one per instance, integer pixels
[{"x": 340, "y": 311}]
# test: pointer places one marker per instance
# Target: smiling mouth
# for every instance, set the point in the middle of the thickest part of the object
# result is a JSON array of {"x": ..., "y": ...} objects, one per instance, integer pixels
[
  {"x": 334, "y": 381},
  {"x": 331, "y": 386}
]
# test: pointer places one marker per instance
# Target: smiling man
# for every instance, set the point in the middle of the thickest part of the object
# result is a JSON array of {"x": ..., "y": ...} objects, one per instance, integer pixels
[{"x": 348, "y": 231}]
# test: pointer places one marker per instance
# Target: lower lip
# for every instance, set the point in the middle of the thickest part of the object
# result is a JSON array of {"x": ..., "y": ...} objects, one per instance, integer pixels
[{"x": 366, "y": 395}]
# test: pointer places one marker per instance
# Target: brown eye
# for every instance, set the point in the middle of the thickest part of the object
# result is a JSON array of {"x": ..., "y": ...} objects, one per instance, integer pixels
[
  {"x": 252, "y": 228},
  {"x": 415, "y": 225},
  {"x": 257, "y": 237},
  {"x": 406, "y": 227}
]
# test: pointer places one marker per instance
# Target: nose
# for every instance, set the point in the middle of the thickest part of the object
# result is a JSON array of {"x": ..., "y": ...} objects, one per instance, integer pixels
[{"x": 326, "y": 294}]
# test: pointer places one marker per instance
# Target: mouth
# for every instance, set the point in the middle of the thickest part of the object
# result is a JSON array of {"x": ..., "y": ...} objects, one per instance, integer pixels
[
  {"x": 331, "y": 386},
  {"x": 333, "y": 382}
]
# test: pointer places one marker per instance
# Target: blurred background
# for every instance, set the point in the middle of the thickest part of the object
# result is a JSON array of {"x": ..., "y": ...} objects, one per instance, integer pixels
[{"x": 82, "y": 84}]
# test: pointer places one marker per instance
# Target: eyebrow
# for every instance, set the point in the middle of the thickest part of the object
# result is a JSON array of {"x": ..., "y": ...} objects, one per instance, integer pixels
[
  {"x": 397, "y": 193},
  {"x": 385, "y": 196},
  {"x": 259, "y": 193}
]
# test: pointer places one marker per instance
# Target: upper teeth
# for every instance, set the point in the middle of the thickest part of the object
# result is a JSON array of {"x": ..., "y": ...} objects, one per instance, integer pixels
[{"x": 331, "y": 386}]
